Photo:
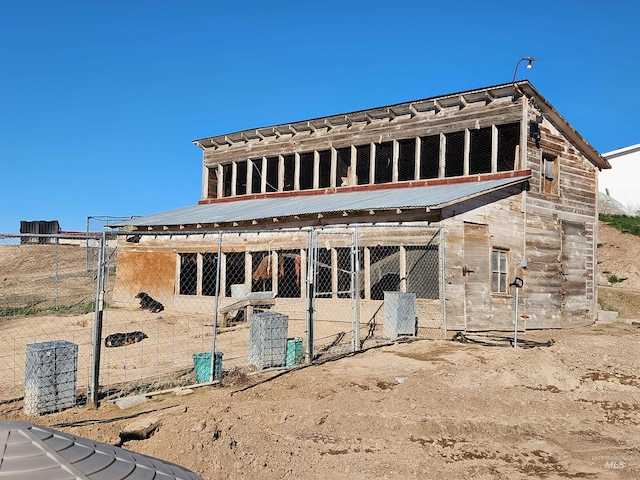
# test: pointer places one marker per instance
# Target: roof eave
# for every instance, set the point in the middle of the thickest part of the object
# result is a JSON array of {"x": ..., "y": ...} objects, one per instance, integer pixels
[{"x": 564, "y": 126}]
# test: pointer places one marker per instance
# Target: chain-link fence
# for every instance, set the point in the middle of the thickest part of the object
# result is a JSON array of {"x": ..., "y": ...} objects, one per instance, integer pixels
[
  {"x": 166, "y": 309},
  {"x": 47, "y": 295}
]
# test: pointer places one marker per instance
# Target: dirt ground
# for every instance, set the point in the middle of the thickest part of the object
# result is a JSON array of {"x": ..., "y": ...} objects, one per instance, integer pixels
[
  {"x": 565, "y": 404},
  {"x": 424, "y": 409}
]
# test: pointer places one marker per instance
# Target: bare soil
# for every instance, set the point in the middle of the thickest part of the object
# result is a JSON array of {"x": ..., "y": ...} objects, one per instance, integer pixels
[
  {"x": 565, "y": 404},
  {"x": 425, "y": 409}
]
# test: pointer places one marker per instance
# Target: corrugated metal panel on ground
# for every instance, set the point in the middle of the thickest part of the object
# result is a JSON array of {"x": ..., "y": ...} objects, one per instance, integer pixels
[{"x": 31, "y": 452}]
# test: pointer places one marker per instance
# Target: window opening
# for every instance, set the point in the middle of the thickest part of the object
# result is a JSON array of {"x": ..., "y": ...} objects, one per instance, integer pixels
[
  {"x": 226, "y": 178},
  {"x": 209, "y": 273},
  {"x": 454, "y": 156},
  {"x": 324, "y": 172},
  {"x": 384, "y": 163},
  {"x": 289, "y": 172},
  {"x": 289, "y": 273},
  {"x": 256, "y": 175},
  {"x": 261, "y": 276},
  {"x": 499, "y": 269},
  {"x": 343, "y": 166},
  {"x": 508, "y": 140},
  {"x": 234, "y": 271},
  {"x": 272, "y": 174},
  {"x": 549, "y": 174},
  {"x": 188, "y": 273},
  {"x": 480, "y": 151},
  {"x": 363, "y": 164},
  {"x": 429, "y": 156},
  {"x": 306, "y": 171},
  {"x": 241, "y": 178},
  {"x": 212, "y": 184},
  {"x": 384, "y": 271},
  {"x": 406, "y": 159}
]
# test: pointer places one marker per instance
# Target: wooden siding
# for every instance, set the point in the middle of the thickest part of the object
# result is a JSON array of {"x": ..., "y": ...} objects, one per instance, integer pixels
[{"x": 499, "y": 112}]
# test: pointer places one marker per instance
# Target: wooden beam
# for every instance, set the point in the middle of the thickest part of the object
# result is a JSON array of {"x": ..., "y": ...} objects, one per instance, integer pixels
[
  {"x": 494, "y": 149},
  {"x": 416, "y": 174},
  {"x": 349, "y": 121},
  {"x": 391, "y": 113},
  {"x": 334, "y": 167},
  {"x": 395, "y": 156},
  {"x": 260, "y": 135},
  {"x": 413, "y": 110},
  {"x": 372, "y": 163},
  {"x": 234, "y": 178},
  {"x": 280, "y": 173},
  {"x": 228, "y": 140},
  {"x": 442, "y": 156},
  {"x": 316, "y": 169},
  {"x": 312, "y": 127},
  {"x": 296, "y": 171},
  {"x": 467, "y": 148}
]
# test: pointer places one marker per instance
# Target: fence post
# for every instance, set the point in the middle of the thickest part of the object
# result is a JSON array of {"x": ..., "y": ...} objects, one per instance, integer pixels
[
  {"x": 57, "y": 255},
  {"x": 356, "y": 293},
  {"x": 310, "y": 294},
  {"x": 215, "y": 309},
  {"x": 97, "y": 325},
  {"x": 444, "y": 282}
]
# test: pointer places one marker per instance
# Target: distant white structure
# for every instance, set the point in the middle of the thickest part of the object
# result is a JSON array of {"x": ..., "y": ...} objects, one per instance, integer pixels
[{"x": 622, "y": 181}]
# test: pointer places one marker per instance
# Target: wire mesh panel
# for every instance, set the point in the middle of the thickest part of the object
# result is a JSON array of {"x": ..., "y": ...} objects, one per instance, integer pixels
[
  {"x": 159, "y": 313},
  {"x": 335, "y": 263},
  {"x": 47, "y": 295},
  {"x": 50, "y": 377}
]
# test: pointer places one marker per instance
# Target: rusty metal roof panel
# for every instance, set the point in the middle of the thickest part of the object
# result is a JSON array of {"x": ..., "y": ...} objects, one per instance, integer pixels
[{"x": 432, "y": 197}]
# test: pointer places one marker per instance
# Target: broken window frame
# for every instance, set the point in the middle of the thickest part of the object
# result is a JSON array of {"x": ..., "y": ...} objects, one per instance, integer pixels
[{"x": 549, "y": 174}]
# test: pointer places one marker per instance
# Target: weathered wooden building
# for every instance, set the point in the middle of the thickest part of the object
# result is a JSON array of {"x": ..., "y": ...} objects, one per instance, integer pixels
[{"x": 509, "y": 181}]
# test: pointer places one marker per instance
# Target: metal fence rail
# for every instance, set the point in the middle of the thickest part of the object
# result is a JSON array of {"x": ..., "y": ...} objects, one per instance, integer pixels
[{"x": 156, "y": 310}]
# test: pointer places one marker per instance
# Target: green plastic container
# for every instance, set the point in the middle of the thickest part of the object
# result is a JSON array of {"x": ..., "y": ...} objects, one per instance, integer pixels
[
  {"x": 202, "y": 366},
  {"x": 294, "y": 351}
]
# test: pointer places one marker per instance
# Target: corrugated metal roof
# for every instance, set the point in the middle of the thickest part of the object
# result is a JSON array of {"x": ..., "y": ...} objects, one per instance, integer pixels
[{"x": 433, "y": 197}]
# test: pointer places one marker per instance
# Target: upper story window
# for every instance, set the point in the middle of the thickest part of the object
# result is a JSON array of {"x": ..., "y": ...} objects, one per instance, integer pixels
[
  {"x": 549, "y": 174},
  {"x": 472, "y": 151}
]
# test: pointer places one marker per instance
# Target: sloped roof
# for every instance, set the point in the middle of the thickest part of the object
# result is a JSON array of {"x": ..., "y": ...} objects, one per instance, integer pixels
[
  {"x": 33, "y": 452},
  {"x": 416, "y": 106},
  {"x": 427, "y": 197}
]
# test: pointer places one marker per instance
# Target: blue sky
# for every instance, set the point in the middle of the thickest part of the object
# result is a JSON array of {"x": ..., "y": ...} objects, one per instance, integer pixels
[{"x": 100, "y": 101}]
